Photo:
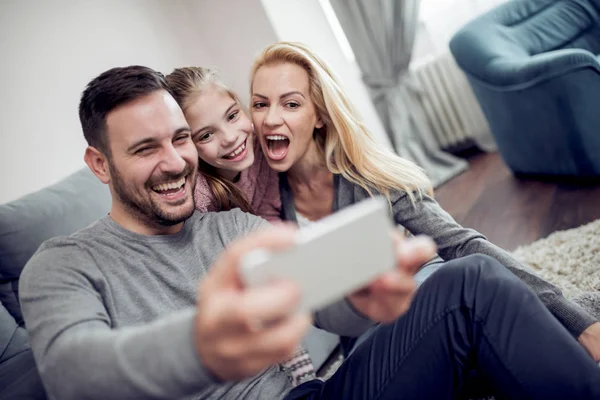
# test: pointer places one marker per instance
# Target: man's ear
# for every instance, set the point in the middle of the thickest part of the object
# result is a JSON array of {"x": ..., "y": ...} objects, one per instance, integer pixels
[{"x": 98, "y": 163}]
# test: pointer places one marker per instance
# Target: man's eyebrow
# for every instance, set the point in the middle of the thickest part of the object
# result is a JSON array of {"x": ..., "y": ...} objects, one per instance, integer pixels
[{"x": 262, "y": 96}]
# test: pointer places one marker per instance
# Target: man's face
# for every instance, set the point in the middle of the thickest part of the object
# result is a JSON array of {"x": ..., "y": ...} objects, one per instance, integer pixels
[{"x": 153, "y": 162}]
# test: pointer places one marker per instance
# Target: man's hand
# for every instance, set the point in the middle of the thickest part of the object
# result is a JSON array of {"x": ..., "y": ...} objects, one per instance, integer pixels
[
  {"x": 390, "y": 295},
  {"x": 590, "y": 340},
  {"x": 241, "y": 331}
]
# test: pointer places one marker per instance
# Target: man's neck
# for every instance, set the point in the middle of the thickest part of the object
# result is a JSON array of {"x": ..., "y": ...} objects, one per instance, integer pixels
[{"x": 136, "y": 225}]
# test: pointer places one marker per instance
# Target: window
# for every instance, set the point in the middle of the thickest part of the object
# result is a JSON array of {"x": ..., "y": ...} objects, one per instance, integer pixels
[{"x": 438, "y": 21}]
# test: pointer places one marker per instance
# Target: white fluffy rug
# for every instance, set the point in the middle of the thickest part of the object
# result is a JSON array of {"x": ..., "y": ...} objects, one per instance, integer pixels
[{"x": 571, "y": 260}]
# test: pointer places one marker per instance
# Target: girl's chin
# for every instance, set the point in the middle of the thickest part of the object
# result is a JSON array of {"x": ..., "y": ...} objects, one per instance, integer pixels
[{"x": 242, "y": 165}]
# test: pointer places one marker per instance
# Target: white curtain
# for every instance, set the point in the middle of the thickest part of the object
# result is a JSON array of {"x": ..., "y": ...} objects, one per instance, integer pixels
[{"x": 381, "y": 34}]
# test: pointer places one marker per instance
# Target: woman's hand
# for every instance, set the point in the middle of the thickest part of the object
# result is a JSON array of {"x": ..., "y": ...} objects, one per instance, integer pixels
[{"x": 590, "y": 340}]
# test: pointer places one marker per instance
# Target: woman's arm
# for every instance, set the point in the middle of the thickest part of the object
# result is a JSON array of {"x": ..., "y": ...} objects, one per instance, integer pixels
[{"x": 428, "y": 218}]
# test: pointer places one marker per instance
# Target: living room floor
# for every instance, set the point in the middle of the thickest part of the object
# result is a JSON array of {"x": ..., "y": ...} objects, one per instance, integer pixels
[{"x": 511, "y": 211}]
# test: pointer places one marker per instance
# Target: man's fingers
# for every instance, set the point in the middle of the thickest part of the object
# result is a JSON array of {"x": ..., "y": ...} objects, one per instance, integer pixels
[
  {"x": 271, "y": 345},
  {"x": 253, "y": 308},
  {"x": 280, "y": 340},
  {"x": 393, "y": 281},
  {"x": 412, "y": 253},
  {"x": 270, "y": 302}
]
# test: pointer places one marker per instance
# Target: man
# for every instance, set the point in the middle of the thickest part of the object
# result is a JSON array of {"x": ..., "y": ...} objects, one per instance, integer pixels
[{"x": 116, "y": 311}]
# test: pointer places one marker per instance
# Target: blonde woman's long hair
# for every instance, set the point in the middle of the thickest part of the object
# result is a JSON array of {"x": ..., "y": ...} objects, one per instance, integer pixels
[
  {"x": 347, "y": 146},
  {"x": 186, "y": 85}
]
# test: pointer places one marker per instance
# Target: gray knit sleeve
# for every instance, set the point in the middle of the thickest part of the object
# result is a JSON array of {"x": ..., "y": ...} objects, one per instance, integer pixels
[
  {"x": 79, "y": 355},
  {"x": 426, "y": 217}
]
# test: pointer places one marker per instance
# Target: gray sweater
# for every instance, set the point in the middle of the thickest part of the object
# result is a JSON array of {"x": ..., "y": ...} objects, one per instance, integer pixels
[
  {"x": 453, "y": 241},
  {"x": 111, "y": 313}
]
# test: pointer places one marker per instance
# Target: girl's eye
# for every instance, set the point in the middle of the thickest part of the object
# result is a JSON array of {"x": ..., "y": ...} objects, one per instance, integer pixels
[
  {"x": 259, "y": 104},
  {"x": 204, "y": 137},
  {"x": 233, "y": 116},
  {"x": 292, "y": 104}
]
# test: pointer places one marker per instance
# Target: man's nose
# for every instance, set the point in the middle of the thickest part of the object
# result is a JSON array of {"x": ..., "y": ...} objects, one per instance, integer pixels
[{"x": 172, "y": 161}]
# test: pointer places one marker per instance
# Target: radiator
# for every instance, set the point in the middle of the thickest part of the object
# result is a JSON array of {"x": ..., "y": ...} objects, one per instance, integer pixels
[{"x": 450, "y": 106}]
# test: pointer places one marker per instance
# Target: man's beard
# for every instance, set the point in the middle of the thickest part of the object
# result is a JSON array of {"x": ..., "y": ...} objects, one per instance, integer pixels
[{"x": 147, "y": 210}]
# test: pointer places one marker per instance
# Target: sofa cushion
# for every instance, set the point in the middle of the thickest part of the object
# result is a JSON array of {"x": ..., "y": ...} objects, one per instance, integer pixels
[
  {"x": 60, "y": 209},
  {"x": 19, "y": 378}
]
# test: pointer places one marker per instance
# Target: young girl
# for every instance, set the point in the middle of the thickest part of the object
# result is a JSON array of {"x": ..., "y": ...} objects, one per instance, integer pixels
[
  {"x": 327, "y": 160},
  {"x": 234, "y": 172}
]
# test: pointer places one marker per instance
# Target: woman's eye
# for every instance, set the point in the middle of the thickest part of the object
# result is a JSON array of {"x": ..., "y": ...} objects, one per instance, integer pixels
[
  {"x": 233, "y": 116},
  {"x": 292, "y": 104},
  {"x": 258, "y": 104}
]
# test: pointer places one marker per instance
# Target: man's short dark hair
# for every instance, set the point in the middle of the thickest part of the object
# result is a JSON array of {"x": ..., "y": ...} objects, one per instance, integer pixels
[{"x": 110, "y": 90}]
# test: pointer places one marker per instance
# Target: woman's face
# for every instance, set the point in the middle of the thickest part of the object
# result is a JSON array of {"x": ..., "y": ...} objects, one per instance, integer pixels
[
  {"x": 283, "y": 113},
  {"x": 221, "y": 132}
]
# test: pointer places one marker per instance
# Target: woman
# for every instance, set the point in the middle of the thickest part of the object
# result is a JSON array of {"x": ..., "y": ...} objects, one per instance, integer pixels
[
  {"x": 327, "y": 160},
  {"x": 234, "y": 172}
]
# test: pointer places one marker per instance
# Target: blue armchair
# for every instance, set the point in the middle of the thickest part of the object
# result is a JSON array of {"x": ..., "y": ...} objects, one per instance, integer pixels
[{"x": 534, "y": 68}]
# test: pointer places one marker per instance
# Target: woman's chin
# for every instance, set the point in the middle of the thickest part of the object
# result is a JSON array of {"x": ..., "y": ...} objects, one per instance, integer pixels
[{"x": 282, "y": 165}]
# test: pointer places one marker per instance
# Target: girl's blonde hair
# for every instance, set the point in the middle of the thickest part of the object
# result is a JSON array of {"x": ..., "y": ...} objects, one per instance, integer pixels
[
  {"x": 347, "y": 146},
  {"x": 186, "y": 84}
]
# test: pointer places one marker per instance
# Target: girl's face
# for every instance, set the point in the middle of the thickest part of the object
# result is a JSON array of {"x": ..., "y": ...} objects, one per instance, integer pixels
[
  {"x": 221, "y": 132},
  {"x": 283, "y": 113}
]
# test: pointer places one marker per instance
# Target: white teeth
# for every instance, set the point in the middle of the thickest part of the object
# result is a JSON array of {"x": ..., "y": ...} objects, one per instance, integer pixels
[
  {"x": 171, "y": 185},
  {"x": 276, "y": 137},
  {"x": 237, "y": 151}
]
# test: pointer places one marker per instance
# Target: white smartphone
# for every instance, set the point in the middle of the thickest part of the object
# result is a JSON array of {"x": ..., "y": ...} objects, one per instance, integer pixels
[{"x": 332, "y": 257}]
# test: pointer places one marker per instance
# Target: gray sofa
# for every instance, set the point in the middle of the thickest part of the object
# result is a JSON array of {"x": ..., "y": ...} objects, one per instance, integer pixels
[{"x": 60, "y": 209}]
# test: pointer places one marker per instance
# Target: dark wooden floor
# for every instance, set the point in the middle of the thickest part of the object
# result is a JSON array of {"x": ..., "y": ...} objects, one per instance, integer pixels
[{"x": 511, "y": 211}]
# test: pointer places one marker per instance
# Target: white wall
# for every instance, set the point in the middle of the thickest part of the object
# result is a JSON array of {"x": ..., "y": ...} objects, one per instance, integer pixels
[
  {"x": 305, "y": 21},
  {"x": 234, "y": 32},
  {"x": 50, "y": 51}
]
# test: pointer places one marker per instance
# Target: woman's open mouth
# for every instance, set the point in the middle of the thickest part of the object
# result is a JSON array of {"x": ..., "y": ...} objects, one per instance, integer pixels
[
  {"x": 238, "y": 154},
  {"x": 277, "y": 146}
]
